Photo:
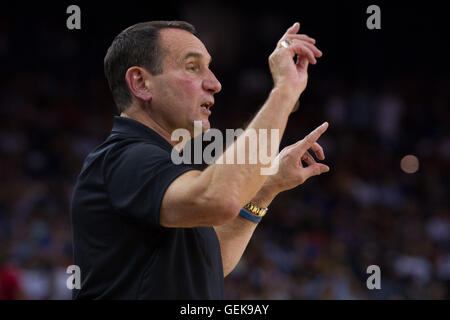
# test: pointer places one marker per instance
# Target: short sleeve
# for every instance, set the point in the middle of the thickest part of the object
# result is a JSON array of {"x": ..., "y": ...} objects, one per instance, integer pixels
[{"x": 136, "y": 179}]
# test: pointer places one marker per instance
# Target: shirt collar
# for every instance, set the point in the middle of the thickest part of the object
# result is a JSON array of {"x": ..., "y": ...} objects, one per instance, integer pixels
[{"x": 132, "y": 128}]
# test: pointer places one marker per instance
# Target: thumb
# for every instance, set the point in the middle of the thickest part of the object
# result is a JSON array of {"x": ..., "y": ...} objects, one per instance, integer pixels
[{"x": 316, "y": 169}]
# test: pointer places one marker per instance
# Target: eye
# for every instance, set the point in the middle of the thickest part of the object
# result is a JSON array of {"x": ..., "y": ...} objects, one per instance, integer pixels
[{"x": 193, "y": 67}]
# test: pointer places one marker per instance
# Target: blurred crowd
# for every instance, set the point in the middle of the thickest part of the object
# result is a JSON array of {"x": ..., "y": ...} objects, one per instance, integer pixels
[{"x": 316, "y": 241}]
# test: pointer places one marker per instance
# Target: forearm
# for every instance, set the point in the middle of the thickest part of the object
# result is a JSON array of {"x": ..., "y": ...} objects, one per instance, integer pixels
[
  {"x": 241, "y": 182},
  {"x": 235, "y": 235}
]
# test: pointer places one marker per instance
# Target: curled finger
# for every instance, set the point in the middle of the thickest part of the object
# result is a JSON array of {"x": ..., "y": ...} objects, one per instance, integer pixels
[
  {"x": 301, "y": 49},
  {"x": 317, "y": 53},
  {"x": 304, "y": 37},
  {"x": 318, "y": 151}
]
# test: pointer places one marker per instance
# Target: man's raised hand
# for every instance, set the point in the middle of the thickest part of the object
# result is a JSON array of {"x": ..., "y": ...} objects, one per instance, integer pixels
[{"x": 287, "y": 73}]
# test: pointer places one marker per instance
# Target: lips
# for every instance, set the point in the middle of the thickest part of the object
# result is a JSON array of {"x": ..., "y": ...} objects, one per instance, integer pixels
[
  {"x": 206, "y": 110},
  {"x": 206, "y": 106}
]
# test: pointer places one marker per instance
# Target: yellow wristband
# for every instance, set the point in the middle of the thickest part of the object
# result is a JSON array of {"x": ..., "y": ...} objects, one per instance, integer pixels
[{"x": 255, "y": 210}]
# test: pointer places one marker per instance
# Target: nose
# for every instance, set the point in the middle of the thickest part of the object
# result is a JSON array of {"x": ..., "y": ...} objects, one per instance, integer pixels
[{"x": 211, "y": 84}]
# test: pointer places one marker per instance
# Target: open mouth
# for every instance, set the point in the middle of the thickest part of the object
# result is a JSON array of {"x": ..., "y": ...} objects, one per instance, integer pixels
[{"x": 206, "y": 105}]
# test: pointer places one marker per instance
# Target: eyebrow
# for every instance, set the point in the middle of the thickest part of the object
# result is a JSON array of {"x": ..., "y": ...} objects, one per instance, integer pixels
[{"x": 195, "y": 55}]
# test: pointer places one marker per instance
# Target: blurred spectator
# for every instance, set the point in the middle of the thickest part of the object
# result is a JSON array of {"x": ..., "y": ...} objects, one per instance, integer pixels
[{"x": 10, "y": 278}]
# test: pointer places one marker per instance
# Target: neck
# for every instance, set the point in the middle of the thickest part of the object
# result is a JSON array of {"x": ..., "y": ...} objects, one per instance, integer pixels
[{"x": 146, "y": 120}]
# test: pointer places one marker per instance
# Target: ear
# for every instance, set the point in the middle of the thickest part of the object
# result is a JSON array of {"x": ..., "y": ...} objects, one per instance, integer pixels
[{"x": 139, "y": 81}]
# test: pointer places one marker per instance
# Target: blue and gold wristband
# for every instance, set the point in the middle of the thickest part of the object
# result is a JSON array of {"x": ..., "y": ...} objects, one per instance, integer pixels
[
  {"x": 249, "y": 216},
  {"x": 252, "y": 212}
]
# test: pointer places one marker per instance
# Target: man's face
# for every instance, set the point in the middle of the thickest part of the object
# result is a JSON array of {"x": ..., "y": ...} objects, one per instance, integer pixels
[{"x": 184, "y": 92}]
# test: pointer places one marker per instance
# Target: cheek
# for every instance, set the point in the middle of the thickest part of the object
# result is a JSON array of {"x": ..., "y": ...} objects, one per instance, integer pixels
[
  {"x": 187, "y": 89},
  {"x": 182, "y": 92}
]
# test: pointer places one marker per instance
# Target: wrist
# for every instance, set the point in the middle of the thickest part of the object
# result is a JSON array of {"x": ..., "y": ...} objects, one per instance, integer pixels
[
  {"x": 264, "y": 197},
  {"x": 257, "y": 208},
  {"x": 251, "y": 211},
  {"x": 285, "y": 96}
]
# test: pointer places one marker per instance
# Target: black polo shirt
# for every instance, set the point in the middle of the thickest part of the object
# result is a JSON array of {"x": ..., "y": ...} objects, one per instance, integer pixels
[{"x": 122, "y": 250}]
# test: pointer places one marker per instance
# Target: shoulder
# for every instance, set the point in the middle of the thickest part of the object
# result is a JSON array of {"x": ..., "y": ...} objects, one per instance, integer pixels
[
  {"x": 136, "y": 150},
  {"x": 139, "y": 159}
]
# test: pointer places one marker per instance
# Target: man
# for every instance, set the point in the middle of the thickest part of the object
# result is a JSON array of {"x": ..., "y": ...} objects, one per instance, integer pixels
[{"x": 145, "y": 228}]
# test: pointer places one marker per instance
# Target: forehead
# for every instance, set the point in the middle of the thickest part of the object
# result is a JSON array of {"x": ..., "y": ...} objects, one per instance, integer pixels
[{"x": 180, "y": 42}]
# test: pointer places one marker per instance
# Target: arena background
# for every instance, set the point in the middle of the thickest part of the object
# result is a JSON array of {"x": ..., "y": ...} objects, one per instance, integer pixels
[{"x": 384, "y": 92}]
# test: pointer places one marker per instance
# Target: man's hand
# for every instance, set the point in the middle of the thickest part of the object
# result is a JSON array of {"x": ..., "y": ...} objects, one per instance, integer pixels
[
  {"x": 289, "y": 74},
  {"x": 291, "y": 171}
]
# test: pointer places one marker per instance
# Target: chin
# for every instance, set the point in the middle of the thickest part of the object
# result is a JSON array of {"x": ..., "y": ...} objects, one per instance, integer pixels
[
  {"x": 196, "y": 130},
  {"x": 205, "y": 125}
]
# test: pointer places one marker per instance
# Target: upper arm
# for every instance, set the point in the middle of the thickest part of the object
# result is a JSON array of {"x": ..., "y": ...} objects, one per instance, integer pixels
[{"x": 190, "y": 201}]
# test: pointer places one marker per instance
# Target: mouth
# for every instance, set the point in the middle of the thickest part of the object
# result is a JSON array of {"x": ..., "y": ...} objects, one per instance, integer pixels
[{"x": 206, "y": 107}]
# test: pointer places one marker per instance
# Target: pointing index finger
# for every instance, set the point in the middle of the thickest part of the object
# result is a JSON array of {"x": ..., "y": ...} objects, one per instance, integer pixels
[
  {"x": 311, "y": 138},
  {"x": 293, "y": 29}
]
